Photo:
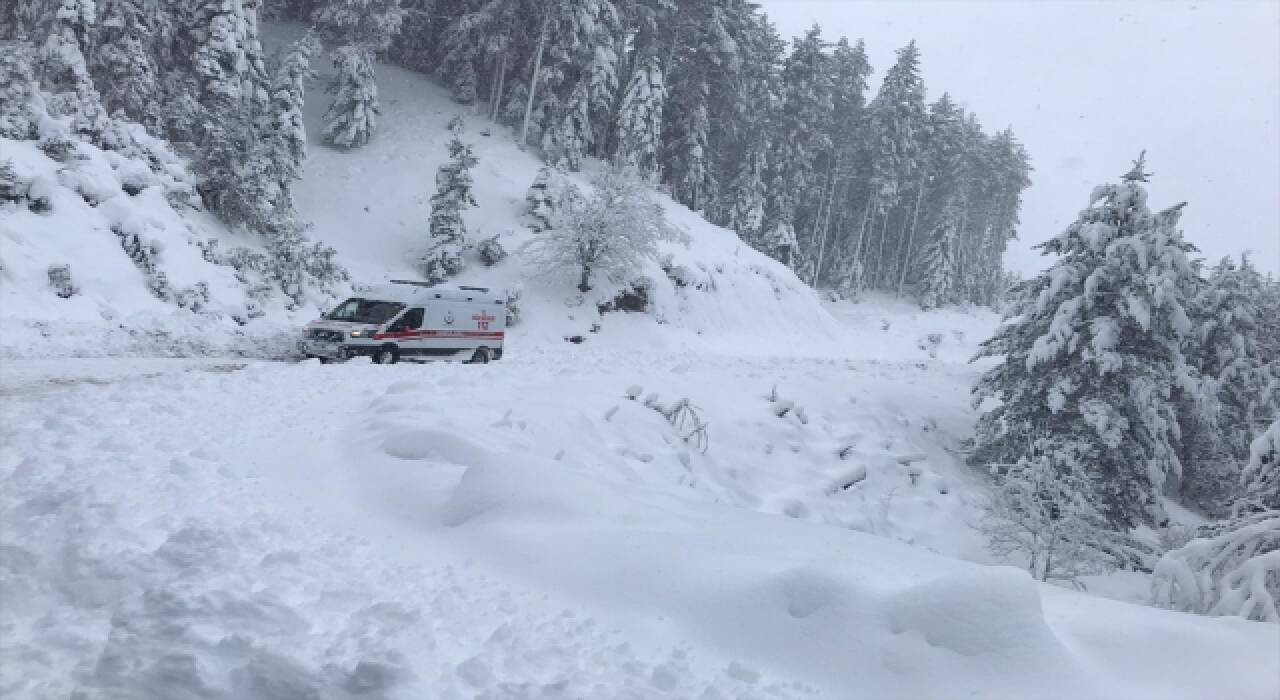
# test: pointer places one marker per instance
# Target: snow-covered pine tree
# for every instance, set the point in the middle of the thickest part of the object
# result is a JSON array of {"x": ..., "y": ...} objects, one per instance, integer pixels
[
  {"x": 743, "y": 111},
  {"x": 603, "y": 83},
  {"x": 610, "y": 231},
  {"x": 1007, "y": 177},
  {"x": 566, "y": 142},
  {"x": 896, "y": 126},
  {"x": 448, "y": 231},
  {"x": 353, "y": 116},
  {"x": 1232, "y": 567},
  {"x": 368, "y": 23},
  {"x": 943, "y": 218},
  {"x": 938, "y": 259},
  {"x": 218, "y": 102},
  {"x": 780, "y": 243},
  {"x": 1232, "y": 349},
  {"x": 363, "y": 28},
  {"x": 640, "y": 119},
  {"x": 415, "y": 45},
  {"x": 747, "y": 195},
  {"x": 125, "y": 63},
  {"x": 1260, "y": 480},
  {"x": 801, "y": 149},
  {"x": 228, "y": 62},
  {"x": 542, "y": 201},
  {"x": 285, "y": 135},
  {"x": 1092, "y": 360},
  {"x": 575, "y": 79},
  {"x": 464, "y": 40},
  {"x": 704, "y": 65},
  {"x": 17, "y": 90},
  {"x": 64, "y": 74},
  {"x": 834, "y": 226},
  {"x": 241, "y": 182},
  {"x": 1218, "y": 422},
  {"x": 693, "y": 183}
]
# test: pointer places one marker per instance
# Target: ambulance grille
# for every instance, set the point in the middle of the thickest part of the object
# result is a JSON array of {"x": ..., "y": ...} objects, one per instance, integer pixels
[{"x": 326, "y": 335}]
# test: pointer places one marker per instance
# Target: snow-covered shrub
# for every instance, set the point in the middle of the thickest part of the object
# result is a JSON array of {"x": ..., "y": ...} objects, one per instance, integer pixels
[
  {"x": 12, "y": 187},
  {"x": 145, "y": 256},
  {"x": 1260, "y": 479},
  {"x": 194, "y": 298},
  {"x": 610, "y": 231},
  {"x": 60, "y": 280},
  {"x": 40, "y": 194},
  {"x": 930, "y": 343},
  {"x": 635, "y": 297},
  {"x": 292, "y": 265},
  {"x": 59, "y": 148},
  {"x": 491, "y": 251},
  {"x": 684, "y": 417},
  {"x": 513, "y": 305},
  {"x": 1042, "y": 510},
  {"x": 1231, "y": 568}
]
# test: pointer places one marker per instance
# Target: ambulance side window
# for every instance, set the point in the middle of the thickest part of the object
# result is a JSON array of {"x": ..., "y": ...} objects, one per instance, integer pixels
[{"x": 412, "y": 319}]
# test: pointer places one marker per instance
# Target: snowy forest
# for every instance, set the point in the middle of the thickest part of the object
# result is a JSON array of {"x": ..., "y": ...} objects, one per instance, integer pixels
[
  {"x": 785, "y": 144},
  {"x": 1122, "y": 414}
]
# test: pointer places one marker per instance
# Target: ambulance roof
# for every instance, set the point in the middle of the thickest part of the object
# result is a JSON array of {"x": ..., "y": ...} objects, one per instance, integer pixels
[{"x": 421, "y": 293}]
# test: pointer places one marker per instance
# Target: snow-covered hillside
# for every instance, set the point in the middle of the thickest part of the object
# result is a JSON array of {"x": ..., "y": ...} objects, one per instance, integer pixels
[
  {"x": 372, "y": 205},
  {"x": 223, "y": 527}
]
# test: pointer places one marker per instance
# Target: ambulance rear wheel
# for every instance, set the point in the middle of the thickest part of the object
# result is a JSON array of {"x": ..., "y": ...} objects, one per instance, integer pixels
[
  {"x": 386, "y": 355},
  {"x": 481, "y": 357}
]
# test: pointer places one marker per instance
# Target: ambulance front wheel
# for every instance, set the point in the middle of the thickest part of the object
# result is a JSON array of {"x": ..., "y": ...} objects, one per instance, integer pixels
[
  {"x": 386, "y": 355},
  {"x": 481, "y": 357}
]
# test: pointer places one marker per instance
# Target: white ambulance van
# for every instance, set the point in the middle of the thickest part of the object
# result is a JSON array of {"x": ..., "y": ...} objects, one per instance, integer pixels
[{"x": 412, "y": 321}]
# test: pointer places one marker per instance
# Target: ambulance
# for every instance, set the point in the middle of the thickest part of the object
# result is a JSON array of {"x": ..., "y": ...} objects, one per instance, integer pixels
[{"x": 411, "y": 321}]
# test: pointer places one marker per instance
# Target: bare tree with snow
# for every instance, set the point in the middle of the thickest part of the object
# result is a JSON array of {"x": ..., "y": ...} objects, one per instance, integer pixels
[
  {"x": 610, "y": 231},
  {"x": 1042, "y": 511}
]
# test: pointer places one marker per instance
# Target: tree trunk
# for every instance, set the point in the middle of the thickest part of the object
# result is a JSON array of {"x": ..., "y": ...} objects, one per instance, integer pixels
[
  {"x": 892, "y": 271},
  {"x": 911, "y": 236},
  {"x": 884, "y": 235},
  {"x": 824, "y": 204},
  {"x": 533, "y": 80},
  {"x": 496, "y": 107},
  {"x": 862, "y": 230}
]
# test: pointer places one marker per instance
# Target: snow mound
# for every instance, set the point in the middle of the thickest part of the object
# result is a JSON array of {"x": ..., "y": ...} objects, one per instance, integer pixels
[{"x": 994, "y": 610}]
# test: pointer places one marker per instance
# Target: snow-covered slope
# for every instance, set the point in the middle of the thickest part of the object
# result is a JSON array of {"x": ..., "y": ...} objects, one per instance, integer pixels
[{"x": 372, "y": 205}]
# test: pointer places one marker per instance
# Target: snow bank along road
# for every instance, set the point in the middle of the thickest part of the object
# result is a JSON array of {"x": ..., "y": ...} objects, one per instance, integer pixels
[{"x": 523, "y": 530}]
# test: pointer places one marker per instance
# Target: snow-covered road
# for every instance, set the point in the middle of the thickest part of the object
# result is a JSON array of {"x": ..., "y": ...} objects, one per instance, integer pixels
[{"x": 523, "y": 530}]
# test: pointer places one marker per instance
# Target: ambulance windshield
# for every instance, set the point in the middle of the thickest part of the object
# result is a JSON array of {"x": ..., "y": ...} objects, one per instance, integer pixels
[{"x": 365, "y": 311}]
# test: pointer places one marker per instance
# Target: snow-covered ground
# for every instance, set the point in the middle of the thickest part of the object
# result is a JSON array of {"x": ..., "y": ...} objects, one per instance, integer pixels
[{"x": 524, "y": 530}]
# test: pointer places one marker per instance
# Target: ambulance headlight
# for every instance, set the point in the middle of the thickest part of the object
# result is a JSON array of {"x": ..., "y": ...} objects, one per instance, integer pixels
[{"x": 361, "y": 334}]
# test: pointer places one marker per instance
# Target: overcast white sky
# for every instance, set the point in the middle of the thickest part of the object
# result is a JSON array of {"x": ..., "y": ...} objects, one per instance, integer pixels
[{"x": 1086, "y": 85}]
